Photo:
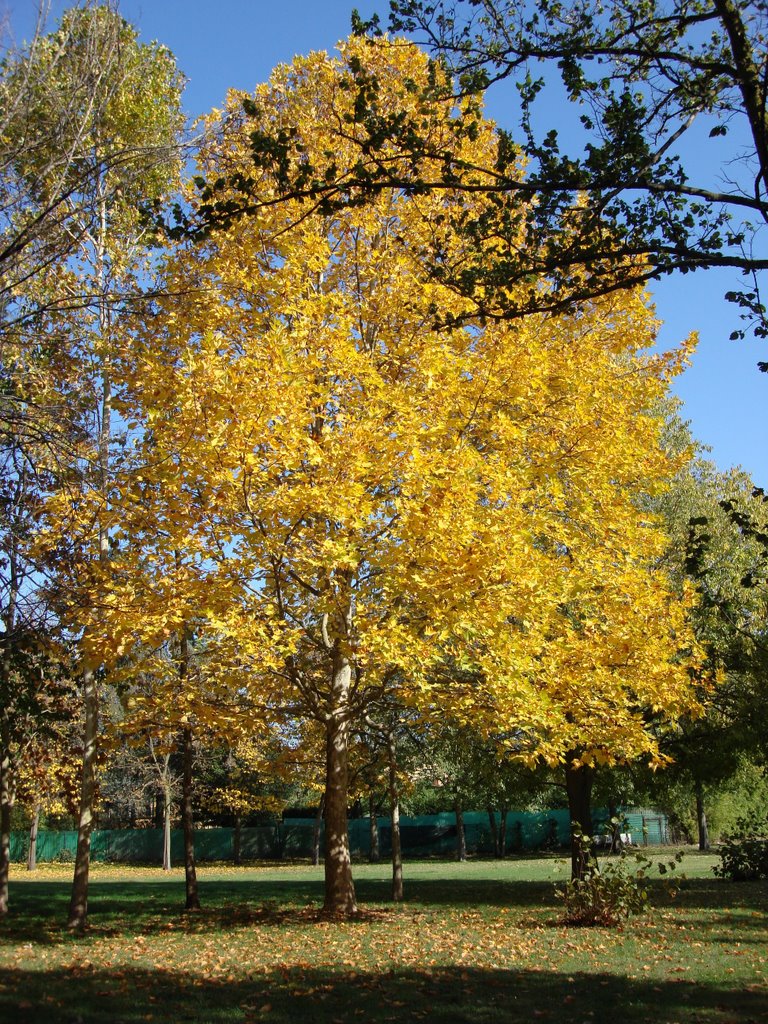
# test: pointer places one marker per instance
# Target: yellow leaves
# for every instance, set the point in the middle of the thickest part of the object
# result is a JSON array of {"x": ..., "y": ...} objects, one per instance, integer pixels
[{"x": 322, "y": 470}]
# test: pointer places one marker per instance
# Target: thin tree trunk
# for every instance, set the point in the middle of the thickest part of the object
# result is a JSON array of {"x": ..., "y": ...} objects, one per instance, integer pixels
[
  {"x": 701, "y": 818},
  {"x": 503, "y": 831},
  {"x": 237, "y": 855},
  {"x": 78, "y": 904},
  {"x": 615, "y": 827},
  {"x": 190, "y": 871},
  {"x": 167, "y": 830},
  {"x": 6, "y": 801},
  {"x": 394, "y": 813},
  {"x": 461, "y": 837},
  {"x": 374, "y": 852},
  {"x": 316, "y": 829},
  {"x": 6, "y": 768},
  {"x": 494, "y": 831},
  {"x": 32, "y": 853},
  {"x": 578, "y": 784},
  {"x": 192, "y": 901}
]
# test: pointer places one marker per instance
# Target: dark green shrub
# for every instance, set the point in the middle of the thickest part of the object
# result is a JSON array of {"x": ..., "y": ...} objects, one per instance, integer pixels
[{"x": 744, "y": 853}]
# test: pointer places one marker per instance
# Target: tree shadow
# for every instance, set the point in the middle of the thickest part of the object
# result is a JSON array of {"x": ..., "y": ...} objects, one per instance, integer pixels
[
  {"x": 38, "y": 909},
  {"x": 447, "y": 995}
]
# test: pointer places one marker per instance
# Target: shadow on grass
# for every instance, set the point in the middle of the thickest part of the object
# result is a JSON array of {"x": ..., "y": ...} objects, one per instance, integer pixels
[
  {"x": 446, "y": 995},
  {"x": 38, "y": 909}
]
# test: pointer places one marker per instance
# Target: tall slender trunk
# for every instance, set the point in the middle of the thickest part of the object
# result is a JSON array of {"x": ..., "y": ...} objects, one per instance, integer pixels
[
  {"x": 192, "y": 901},
  {"x": 578, "y": 784},
  {"x": 237, "y": 833},
  {"x": 167, "y": 801},
  {"x": 339, "y": 888},
  {"x": 316, "y": 830},
  {"x": 394, "y": 813},
  {"x": 374, "y": 850},
  {"x": 78, "y": 906},
  {"x": 614, "y": 825},
  {"x": 503, "y": 812},
  {"x": 494, "y": 831},
  {"x": 6, "y": 668},
  {"x": 32, "y": 853},
  {"x": 701, "y": 818},
  {"x": 461, "y": 836},
  {"x": 6, "y": 802},
  {"x": 190, "y": 871}
]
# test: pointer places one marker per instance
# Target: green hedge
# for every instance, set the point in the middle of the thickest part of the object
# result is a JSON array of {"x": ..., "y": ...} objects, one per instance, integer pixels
[{"x": 426, "y": 836}]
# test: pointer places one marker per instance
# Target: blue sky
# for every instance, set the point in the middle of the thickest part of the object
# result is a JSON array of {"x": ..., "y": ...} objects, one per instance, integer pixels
[{"x": 235, "y": 43}]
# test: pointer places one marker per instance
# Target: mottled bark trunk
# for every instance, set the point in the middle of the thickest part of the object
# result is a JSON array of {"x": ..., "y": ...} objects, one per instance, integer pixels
[
  {"x": 316, "y": 831},
  {"x": 701, "y": 818},
  {"x": 6, "y": 802},
  {"x": 494, "y": 831},
  {"x": 578, "y": 784},
  {"x": 461, "y": 836},
  {"x": 32, "y": 852},
  {"x": 339, "y": 887},
  {"x": 394, "y": 813},
  {"x": 374, "y": 849},
  {"x": 190, "y": 871},
  {"x": 78, "y": 904}
]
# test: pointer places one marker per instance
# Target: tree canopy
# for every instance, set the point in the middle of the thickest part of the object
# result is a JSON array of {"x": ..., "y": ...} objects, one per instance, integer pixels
[
  {"x": 642, "y": 78},
  {"x": 354, "y": 504},
  {"x": 624, "y": 207}
]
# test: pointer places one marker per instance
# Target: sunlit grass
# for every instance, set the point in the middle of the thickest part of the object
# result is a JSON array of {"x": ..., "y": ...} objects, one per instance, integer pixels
[{"x": 473, "y": 942}]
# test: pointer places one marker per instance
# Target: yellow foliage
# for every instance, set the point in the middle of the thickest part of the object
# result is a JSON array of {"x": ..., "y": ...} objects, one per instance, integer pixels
[{"x": 349, "y": 496}]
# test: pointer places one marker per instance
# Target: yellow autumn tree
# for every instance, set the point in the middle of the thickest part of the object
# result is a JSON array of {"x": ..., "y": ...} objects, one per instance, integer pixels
[{"x": 366, "y": 484}]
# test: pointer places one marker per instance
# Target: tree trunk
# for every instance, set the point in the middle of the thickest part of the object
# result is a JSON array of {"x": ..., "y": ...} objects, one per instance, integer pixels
[
  {"x": 503, "y": 831},
  {"x": 578, "y": 784},
  {"x": 374, "y": 851},
  {"x": 494, "y": 831},
  {"x": 32, "y": 853},
  {"x": 461, "y": 838},
  {"x": 190, "y": 872},
  {"x": 701, "y": 818},
  {"x": 237, "y": 836},
  {"x": 6, "y": 784},
  {"x": 6, "y": 801},
  {"x": 615, "y": 827},
  {"x": 167, "y": 830},
  {"x": 316, "y": 831},
  {"x": 78, "y": 904},
  {"x": 339, "y": 887},
  {"x": 394, "y": 813}
]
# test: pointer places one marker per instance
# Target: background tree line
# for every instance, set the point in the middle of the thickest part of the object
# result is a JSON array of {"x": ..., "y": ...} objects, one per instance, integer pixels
[{"x": 292, "y": 481}]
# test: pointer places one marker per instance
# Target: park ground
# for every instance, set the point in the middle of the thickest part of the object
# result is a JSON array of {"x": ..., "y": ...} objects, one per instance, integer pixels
[{"x": 475, "y": 942}]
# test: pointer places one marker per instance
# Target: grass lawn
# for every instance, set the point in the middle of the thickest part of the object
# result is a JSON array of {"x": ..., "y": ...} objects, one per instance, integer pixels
[{"x": 475, "y": 942}]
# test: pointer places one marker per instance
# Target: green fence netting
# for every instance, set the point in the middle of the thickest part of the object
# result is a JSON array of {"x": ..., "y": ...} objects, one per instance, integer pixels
[{"x": 426, "y": 836}]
